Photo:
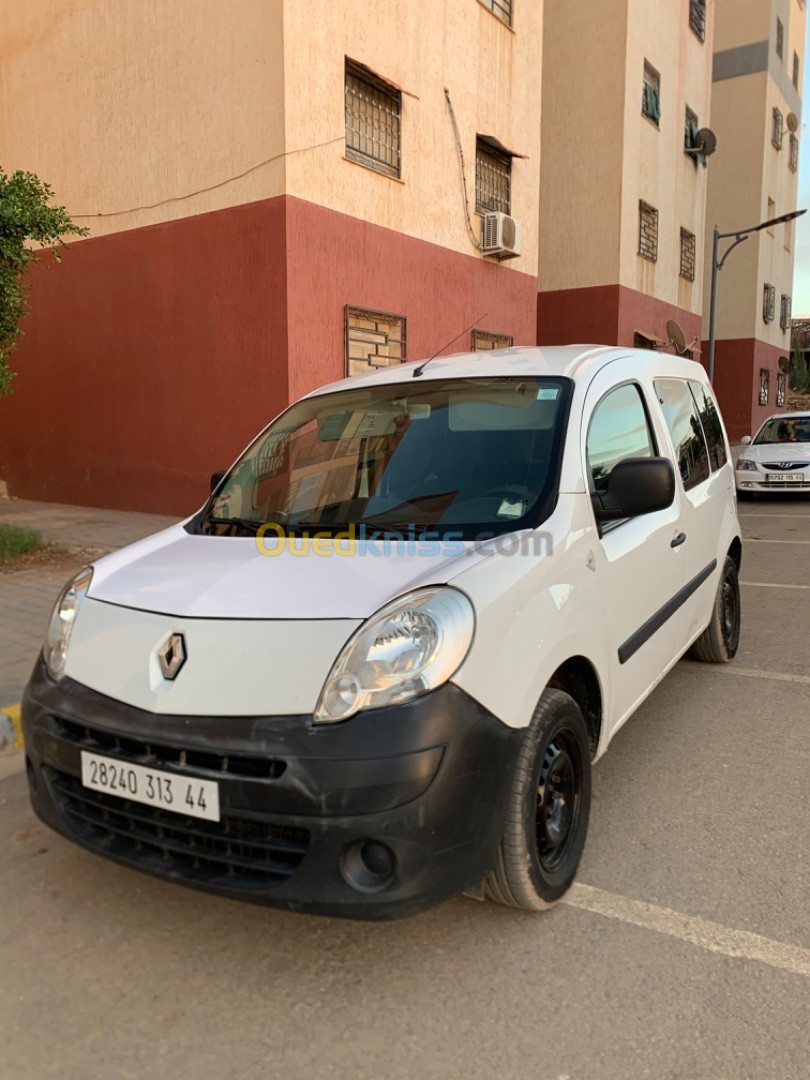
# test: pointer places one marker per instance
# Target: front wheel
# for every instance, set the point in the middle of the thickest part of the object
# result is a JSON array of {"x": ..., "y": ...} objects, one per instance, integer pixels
[
  {"x": 546, "y": 818},
  {"x": 719, "y": 641}
]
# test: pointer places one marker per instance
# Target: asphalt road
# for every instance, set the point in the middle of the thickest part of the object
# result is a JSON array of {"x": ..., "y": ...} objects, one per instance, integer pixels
[{"x": 682, "y": 953}]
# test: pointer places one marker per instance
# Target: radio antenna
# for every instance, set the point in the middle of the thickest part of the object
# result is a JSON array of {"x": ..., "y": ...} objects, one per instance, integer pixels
[{"x": 418, "y": 371}]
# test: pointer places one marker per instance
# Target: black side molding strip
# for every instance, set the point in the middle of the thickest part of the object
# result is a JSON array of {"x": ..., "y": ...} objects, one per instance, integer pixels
[{"x": 645, "y": 632}]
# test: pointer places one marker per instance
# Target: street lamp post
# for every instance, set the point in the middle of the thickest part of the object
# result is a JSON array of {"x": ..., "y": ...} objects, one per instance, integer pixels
[{"x": 738, "y": 235}]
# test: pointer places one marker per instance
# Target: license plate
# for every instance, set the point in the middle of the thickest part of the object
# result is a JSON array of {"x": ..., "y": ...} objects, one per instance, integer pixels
[
  {"x": 153, "y": 787},
  {"x": 795, "y": 477}
]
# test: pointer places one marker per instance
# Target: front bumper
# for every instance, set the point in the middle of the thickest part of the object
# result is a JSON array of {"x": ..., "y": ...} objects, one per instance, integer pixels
[
  {"x": 758, "y": 482},
  {"x": 428, "y": 779}
]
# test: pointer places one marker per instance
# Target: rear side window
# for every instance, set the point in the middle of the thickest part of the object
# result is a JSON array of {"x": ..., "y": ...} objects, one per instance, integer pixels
[
  {"x": 619, "y": 429},
  {"x": 681, "y": 416},
  {"x": 712, "y": 425}
]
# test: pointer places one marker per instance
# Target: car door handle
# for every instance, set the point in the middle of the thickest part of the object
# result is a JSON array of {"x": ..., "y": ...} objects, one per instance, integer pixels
[{"x": 678, "y": 540}]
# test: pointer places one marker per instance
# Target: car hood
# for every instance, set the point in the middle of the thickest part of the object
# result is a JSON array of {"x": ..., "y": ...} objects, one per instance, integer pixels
[
  {"x": 776, "y": 452},
  {"x": 176, "y": 573}
]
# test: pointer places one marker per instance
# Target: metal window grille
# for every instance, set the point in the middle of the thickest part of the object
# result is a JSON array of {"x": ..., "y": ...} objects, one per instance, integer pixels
[
  {"x": 647, "y": 231},
  {"x": 688, "y": 247},
  {"x": 697, "y": 17},
  {"x": 768, "y": 303},
  {"x": 784, "y": 312},
  {"x": 778, "y": 124},
  {"x": 689, "y": 128},
  {"x": 493, "y": 179},
  {"x": 373, "y": 112},
  {"x": 483, "y": 340},
  {"x": 764, "y": 381},
  {"x": 794, "y": 152},
  {"x": 501, "y": 9},
  {"x": 796, "y": 70},
  {"x": 780, "y": 39},
  {"x": 781, "y": 388},
  {"x": 374, "y": 339},
  {"x": 651, "y": 94}
]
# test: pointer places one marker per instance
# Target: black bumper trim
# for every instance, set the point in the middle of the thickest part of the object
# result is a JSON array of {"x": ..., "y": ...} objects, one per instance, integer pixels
[{"x": 429, "y": 779}]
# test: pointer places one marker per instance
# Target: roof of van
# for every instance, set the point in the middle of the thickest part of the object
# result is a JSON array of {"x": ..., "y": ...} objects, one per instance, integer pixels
[{"x": 532, "y": 360}]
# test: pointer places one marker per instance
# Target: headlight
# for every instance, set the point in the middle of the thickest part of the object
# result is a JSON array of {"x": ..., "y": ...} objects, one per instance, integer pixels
[
  {"x": 744, "y": 465},
  {"x": 409, "y": 647},
  {"x": 62, "y": 621}
]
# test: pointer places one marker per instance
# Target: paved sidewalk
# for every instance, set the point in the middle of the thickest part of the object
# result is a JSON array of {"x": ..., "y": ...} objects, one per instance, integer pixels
[{"x": 26, "y": 596}]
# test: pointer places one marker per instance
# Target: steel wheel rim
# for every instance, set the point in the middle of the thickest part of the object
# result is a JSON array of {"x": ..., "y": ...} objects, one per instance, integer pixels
[
  {"x": 730, "y": 611},
  {"x": 559, "y": 799}
]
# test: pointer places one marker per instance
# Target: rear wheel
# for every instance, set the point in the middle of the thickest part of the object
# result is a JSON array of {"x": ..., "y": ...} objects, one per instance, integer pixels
[
  {"x": 547, "y": 813},
  {"x": 719, "y": 641}
]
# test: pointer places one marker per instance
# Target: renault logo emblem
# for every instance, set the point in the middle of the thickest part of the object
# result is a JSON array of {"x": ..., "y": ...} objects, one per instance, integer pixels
[{"x": 172, "y": 656}]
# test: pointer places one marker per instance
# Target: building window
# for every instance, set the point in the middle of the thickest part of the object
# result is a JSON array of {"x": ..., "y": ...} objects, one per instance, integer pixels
[
  {"x": 374, "y": 339},
  {"x": 764, "y": 380},
  {"x": 796, "y": 70},
  {"x": 794, "y": 152},
  {"x": 776, "y": 134},
  {"x": 768, "y": 303},
  {"x": 651, "y": 94},
  {"x": 697, "y": 17},
  {"x": 784, "y": 312},
  {"x": 780, "y": 39},
  {"x": 647, "y": 231},
  {"x": 482, "y": 340},
  {"x": 502, "y": 9},
  {"x": 373, "y": 110},
  {"x": 788, "y": 235},
  {"x": 690, "y": 129},
  {"x": 687, "y": 255},
  {"x": 493, "y": 178},
  {"x": 781, "y": 387}
]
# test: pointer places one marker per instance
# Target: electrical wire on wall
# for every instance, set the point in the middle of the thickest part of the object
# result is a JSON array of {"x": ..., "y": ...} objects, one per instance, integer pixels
[
  {"x": 211, "y": 187},
  {"x": 460, "y": 149}
]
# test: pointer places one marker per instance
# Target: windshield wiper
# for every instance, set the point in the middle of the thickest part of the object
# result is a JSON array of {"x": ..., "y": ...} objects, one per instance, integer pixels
[{"x": 249, "y": 526}]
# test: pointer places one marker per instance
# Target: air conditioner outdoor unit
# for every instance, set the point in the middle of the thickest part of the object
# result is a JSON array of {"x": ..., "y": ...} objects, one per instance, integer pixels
[{"x": 501, "y": 235}]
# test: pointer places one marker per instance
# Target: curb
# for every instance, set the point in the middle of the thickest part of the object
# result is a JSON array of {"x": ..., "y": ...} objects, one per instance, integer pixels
[{"x": 10, "y": 730}]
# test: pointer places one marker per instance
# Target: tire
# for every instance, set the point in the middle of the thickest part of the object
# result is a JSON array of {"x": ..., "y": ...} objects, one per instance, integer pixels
[
  {"x": 542, "y": 840},
  {"x": 719, "y": 641}
]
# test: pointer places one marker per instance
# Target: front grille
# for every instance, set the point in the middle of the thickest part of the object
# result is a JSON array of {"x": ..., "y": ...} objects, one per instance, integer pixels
[
  {"x": 200, "y": 762},
  {"x": 235, "y": 852},
  {"x": 786, "y": 467}
]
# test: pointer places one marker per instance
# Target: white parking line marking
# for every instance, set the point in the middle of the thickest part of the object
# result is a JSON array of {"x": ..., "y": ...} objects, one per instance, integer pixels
[
  {"x": 751, "y": 673},
  {"x": 738, "y": 944},
  {"x": 753, "y": 540},
  {"x": 772, "y": 585}
]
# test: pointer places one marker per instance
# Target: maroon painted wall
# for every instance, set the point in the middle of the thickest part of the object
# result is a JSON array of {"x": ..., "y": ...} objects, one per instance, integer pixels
[
  {"x": 336, "y": 260},
  {"x": 737, "y": 364},
  {"x": 150, "y": 358},
  {"x": 606, "y": 315},
  {"x": 153, "y": 356}
]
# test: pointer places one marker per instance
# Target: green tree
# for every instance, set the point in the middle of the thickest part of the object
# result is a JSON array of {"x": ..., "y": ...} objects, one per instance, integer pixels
[{"x": 25, "y": 218}]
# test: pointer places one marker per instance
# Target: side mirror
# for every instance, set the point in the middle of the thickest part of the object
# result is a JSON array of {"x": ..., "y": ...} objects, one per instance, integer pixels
[
  {"x": 216, "y": 478},
  {"x": 745, "y": 440},
  {"x": 636, "y": 486}
]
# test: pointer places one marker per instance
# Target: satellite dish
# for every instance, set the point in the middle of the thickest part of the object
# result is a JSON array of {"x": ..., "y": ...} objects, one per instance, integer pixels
[
  {"x": 677, "y": 338},
  {"x": 784, "y": 364},
  {"x": 706, "y": 142},
  {"x": 792, "y": 122}
]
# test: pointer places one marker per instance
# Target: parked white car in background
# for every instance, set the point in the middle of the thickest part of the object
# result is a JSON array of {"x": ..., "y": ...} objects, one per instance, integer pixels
[
  {"x": 777, "y": 458},
  {"x": 374, "y": 669}
]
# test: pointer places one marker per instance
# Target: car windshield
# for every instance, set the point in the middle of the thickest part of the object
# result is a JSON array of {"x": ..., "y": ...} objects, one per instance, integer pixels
[
  {"x": 787, "y": 429},
  {"x": 475, "y": 456}
]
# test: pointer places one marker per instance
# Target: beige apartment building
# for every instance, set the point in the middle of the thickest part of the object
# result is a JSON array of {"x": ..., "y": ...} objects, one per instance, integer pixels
[
  {"x": 276, "y": 199},
  {"x": 756, "y": 105},
  {"x": 626, "y": 87}
]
